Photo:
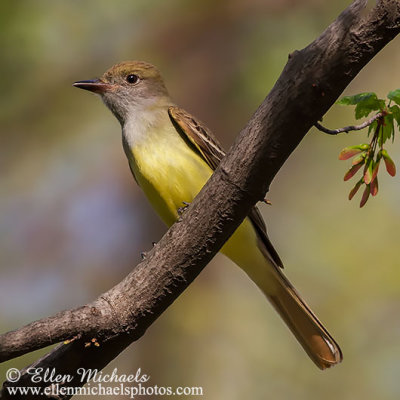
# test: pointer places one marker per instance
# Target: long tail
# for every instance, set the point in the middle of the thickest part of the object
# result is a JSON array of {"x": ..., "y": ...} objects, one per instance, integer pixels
[
  {"x": 262, "y": 267},
  {"x": 309, "y": 331}
]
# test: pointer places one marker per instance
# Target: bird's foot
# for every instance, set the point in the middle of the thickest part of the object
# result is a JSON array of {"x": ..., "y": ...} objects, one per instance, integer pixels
[
  {"x": 76, "y": 337},
  {"x": 92, "y": 342},
  {"x": 182, "y": 209}
]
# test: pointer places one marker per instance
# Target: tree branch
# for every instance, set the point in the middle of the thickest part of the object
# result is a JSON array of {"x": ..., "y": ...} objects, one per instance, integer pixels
[
  {"x": 314, "y": 77},
  {"x": 349, "y": 128}
]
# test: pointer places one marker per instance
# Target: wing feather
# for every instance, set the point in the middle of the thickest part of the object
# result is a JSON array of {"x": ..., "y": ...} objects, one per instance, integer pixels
[{"x": 210, "y": 149}]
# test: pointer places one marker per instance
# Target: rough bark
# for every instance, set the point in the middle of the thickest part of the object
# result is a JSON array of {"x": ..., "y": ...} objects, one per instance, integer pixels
[{"x": 311, "y": 81}]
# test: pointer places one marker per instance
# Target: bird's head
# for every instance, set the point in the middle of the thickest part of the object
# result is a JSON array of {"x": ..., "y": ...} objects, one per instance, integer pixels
[{"x": 128, "y": 87}]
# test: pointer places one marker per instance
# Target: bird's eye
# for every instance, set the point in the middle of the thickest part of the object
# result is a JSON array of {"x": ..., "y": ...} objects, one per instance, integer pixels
[{"x": 132, "y": 78}]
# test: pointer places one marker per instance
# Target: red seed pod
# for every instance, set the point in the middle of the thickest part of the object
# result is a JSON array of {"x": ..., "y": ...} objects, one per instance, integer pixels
[
  {"x": 390, "y": 166},
  {"x": 359, "y": 159},
  {"x": 374, "y": 187},
  {"x": 375, "y": 169},
  {"x": 368, "y": 172},
  {"x": 351, "y": 151},
  {"x": 365, "y": 196},
  {"x": 355, "y": 189},
  {"x": 352, "y": 171}
]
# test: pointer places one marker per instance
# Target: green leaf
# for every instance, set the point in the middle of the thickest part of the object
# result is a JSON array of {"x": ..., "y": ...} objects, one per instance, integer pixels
[
  {"x": 365, "y": 103},
  {"x": 372, "y": 127},
  {"x": 395, "y": 96},
  {"x": 364, "y": 108},
  {"x": 353, "y": 100},
  {"x": 395, "y": 110},
  {"x": 387, "y": 128}
]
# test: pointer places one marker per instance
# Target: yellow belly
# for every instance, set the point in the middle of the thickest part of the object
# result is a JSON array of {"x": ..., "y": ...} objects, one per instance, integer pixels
[
  {"x": 171, "y": 173},
  {"x": 169, "y": 178}
]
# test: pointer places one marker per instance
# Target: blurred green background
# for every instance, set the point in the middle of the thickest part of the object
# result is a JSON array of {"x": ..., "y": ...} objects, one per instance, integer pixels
[{"x": 73, "y": 222}]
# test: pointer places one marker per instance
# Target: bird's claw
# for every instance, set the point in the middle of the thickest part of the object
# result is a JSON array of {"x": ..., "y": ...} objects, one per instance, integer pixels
[
  {"x": 182, "y": 209},
  {"x": 92, "y": 341}
]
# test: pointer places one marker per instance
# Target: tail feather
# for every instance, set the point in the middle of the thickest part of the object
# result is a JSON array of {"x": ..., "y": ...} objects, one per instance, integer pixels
[
  {"x": 264, "y": 270},
  {"x": 306, "y": 327}
]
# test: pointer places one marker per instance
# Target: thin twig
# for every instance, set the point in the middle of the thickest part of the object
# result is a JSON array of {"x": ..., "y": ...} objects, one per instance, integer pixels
[{"x": 351, "y": 127}]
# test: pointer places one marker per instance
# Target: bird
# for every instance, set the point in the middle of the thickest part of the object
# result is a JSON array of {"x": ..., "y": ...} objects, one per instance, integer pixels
[{"x": 171, "y": 155}]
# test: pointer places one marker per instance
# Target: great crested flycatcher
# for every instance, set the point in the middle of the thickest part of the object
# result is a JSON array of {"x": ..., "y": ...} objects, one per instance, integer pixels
[{"x": 171, "y": 156}]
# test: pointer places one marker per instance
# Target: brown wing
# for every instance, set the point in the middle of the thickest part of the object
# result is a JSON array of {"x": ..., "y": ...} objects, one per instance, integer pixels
[
  {"x": 209, "y": 148},
  {"x": 199, "y": 135}
]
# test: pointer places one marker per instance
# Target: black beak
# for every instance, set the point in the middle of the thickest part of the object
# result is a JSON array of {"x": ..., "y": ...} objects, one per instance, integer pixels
[{"x": 93, "y": 85}]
